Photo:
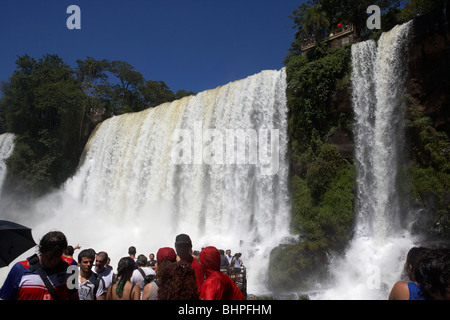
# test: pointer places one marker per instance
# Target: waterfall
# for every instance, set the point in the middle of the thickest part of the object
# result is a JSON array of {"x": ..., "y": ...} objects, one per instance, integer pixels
[
  {"x": 6, "y": 148},
  {"x": 374, "y": 260},
  {"x": 213, "y": 165}
]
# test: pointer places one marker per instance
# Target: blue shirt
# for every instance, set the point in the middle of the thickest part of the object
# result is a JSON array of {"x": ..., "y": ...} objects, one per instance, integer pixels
[{"x": 415, "y": 293}]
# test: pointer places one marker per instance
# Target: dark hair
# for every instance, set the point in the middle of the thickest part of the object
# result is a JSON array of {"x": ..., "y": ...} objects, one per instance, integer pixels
[
  {"x": 141, "y": 260},
  {"x": 53, "y": 243},
  {"x": 433, "y": 273},
  {"x": 86, "y": 253},
  {"x": 69, "y": 251},
  {"x": 103, "y": 254},
  {"x": 177, "y": 282},
  {"x": 125, "y": 268},
  {"x": 132, "y": 250},
  {"x": 412, "y": 258}
]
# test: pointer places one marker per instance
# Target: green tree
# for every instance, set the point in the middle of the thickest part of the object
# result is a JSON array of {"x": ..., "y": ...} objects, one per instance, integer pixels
[
  {"x": 414, "y": 8},
  {"x": 126, "y": 94},
  {"x": 316, "y": 17},
  {"x": 92, "y": 73},
  {"x": 311, "y": 19},
  {"x": 41, "y": 104},
  {"x": 155, "y": 93}
]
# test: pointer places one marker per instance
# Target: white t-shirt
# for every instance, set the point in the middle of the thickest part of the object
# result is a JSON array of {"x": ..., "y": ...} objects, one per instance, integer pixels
[
  {"x": 137, "y": 277},
  {"x": 86, "y": 290},
  {"x": 107, "y": 276}
]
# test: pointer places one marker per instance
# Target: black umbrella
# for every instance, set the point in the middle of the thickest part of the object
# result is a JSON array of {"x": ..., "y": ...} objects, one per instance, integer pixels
[{"x": 15, "y": 239}]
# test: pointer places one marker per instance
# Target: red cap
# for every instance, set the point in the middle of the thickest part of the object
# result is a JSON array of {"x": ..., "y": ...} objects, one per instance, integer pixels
[{"x": 166, "y": 253}]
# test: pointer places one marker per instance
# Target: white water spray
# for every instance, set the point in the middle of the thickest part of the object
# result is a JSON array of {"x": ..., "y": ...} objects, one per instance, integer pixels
[
  {"x": 375, "y": 258},
  {"x": 6, "y": 148},
  {"x": 130, "y": 191}
]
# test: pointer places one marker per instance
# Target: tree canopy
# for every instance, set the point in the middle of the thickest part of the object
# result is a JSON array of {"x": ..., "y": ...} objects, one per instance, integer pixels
[
  {"x": 320, "y": 17},
  {"x": 52, "y": 109}
]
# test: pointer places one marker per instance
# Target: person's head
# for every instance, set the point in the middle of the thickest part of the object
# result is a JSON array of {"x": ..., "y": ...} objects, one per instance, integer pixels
[
  {"x": 228, "y": 252},
  {"x": 165, "y": 257},
  {"x": 210, "y": 259},
  {"x": 177, "y": 282},
  {"x": 151, "y": 256},
  {"x": 51, "y": 248},
  {"x": 221, "y": 252},
  {"x": 412, "y": 258},
  {"x": 86, "y": 260},
  {"x": 183, "y": 246},
  {"x": 132, "y": 251},
  {"x": 101, "y": 261},
  {"x": 69, "y": 251},
  {"x": 432, "y": 273},
  {"x": 141, "y": 260},
  {"x": 125, "y": 269}
]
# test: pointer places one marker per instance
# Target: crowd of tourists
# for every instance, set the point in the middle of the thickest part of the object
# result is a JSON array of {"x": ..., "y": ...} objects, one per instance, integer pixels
[{"x": 175, "y": 274}]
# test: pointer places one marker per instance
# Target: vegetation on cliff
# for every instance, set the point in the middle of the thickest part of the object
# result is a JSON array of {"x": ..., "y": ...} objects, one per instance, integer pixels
[
  {"x": 52, "y": 109},
  {"x": 322, "y": 181}
]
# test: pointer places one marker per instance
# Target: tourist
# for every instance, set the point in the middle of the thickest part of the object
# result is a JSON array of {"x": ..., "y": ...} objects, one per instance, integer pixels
[
  {"x": 183, "y": 247},
  {"x": 224, "y": 264},
  {"x": 24, "y": 281},
  {"x": 432, "y": 273},
  {"x": 165, "y": 257},
  {"x": 132, "y": 253},
  {"x": 403, "y": 290},
  {"x": 68, "y": 255},
  {"x": 143, "y": 274},
  {"x": 151, "y": 261},
  {"x": 68, "y": 252},
  {"x": 228, "y": 256},
  {"x": 92, "y": 286},
  {"x": 236, "y": 265},
  {"x": 177, "y": 282},
  {"x": 217, "y": 286},
  {"x": 124, "y": 289},
  {"x": 102, "y": 270}
]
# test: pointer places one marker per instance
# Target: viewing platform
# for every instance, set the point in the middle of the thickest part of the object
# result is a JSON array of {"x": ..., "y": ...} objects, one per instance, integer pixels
[{"x": 339, "y": 38}]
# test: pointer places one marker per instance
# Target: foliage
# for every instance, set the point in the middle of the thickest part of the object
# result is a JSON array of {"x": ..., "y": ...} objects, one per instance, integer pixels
[
  {"x": 319, "y": 17},
  {"x": 52, "y": 109},
  {"x": 429, "y": 173},
  {"x": 40, "y": 104},
  {"x": 322, "y": 182},
  {"x": 310, "y": 85},
  {"x": 414, "y": 8},
  {"x": 324, "y": 215}
]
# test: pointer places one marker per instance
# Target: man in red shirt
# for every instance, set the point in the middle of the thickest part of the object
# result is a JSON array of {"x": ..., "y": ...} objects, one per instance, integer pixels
[
  {"x": 218, "y": 285},
  {"x": 183, "y": 247},
  {"x": 24, "y": 281}
]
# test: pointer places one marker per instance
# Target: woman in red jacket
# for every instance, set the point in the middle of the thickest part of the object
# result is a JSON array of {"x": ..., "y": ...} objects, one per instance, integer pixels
[{"x": 217, "y": 286}]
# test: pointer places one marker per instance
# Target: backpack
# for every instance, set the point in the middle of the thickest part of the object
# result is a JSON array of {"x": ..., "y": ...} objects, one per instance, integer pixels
[
  {"x": 97, "y": 284},
  {"x": 147, "y": 278}
]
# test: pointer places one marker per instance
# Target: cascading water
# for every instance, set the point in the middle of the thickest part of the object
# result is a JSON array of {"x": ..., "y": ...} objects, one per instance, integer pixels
[
  {"x": 213, "y": 166},
  {"x": 6, "y": 148},
  {"x": 375, "y": 258}
]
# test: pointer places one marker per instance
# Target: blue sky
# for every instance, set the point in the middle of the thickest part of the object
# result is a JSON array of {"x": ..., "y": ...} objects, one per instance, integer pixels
[{"x": 190, "y": 44}]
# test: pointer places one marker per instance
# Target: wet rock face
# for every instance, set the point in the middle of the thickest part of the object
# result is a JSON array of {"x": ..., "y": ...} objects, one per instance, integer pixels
[{"x": 428, "y": 82}]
